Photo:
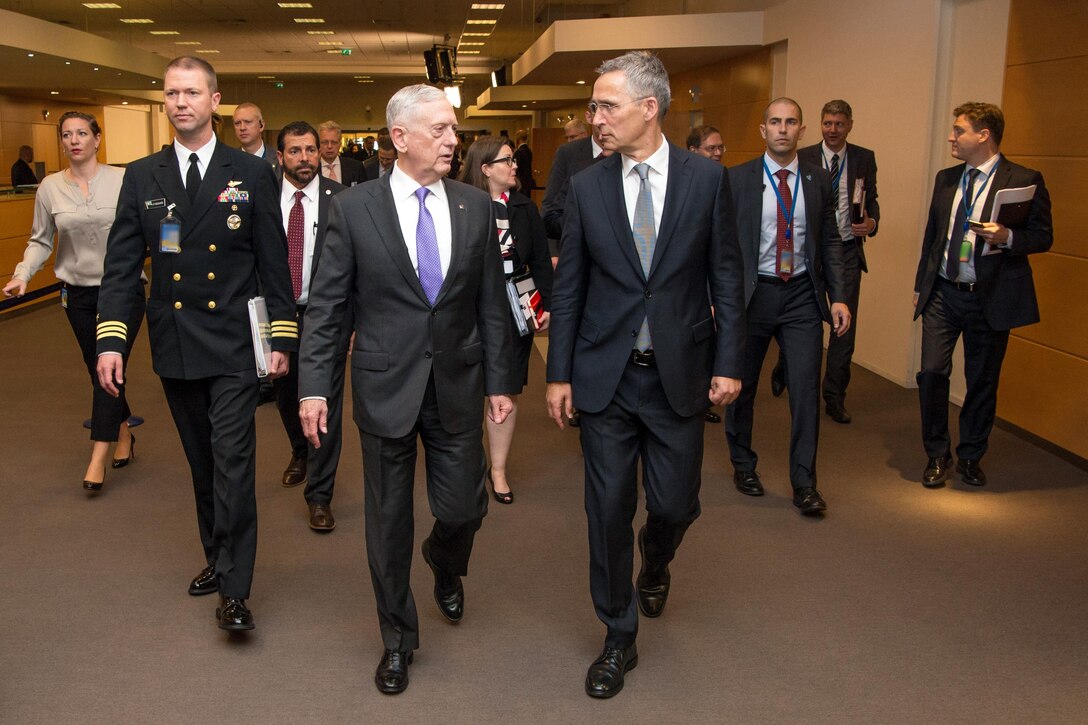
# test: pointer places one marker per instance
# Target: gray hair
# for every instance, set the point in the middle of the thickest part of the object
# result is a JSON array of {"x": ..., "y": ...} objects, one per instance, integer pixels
[
  {"x": 403, "y": 105},
  {"x": 644, "y": 76}
]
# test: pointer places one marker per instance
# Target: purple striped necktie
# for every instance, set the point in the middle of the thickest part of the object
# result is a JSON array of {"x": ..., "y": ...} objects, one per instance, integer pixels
[{"x": 427, "y": 258}]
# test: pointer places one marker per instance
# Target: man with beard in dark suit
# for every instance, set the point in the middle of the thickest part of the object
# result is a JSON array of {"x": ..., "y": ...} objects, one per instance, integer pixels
[
  {"x": 413, "y": 256},
  {"x": 230, "y": 247},
  {"x": 792, "y": 263},
  {"x": 974, "y": 280}
]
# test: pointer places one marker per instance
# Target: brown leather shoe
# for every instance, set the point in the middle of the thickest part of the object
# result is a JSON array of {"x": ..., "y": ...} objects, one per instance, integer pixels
[
  {"x": 321, "y": 517},
  {"x": 295, "y": 473}
]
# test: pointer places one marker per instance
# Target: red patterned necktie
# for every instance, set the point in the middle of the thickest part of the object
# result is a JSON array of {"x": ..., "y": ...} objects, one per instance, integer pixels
[
  {"x": 783, "y": 240},
  {"x": 296, "y": 242}
]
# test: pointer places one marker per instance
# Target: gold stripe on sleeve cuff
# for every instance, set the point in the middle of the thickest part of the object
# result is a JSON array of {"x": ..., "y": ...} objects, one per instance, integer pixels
[
  {"x": 284, "y": 328},
  {"x": 112, "y": 329}
]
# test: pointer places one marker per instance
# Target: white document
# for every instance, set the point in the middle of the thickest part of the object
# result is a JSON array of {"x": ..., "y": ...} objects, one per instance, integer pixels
[
  {"x": 261, "y": 331},
  {"x": 1011, "y": 208}
]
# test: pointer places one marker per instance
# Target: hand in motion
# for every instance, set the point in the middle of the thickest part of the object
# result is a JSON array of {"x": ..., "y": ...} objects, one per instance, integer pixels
[
  {"x": 314, "y": 413},
  {"x": 498, "y": 407},
  {"x": 16, "y": 288},
  {"x": 724, "y": 391},
  {"x": 840, "y": 318},
  {"x": 560, "y": 403},
  {"x": 111, "y": 372},
  {"x": 279, "y": 365}
]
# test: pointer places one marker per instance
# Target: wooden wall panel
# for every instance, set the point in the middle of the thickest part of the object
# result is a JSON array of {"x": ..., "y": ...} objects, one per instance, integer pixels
[
  {"x": 1061, "y": 284},
  {"x": 1044, "y": 382},
  {"x": 1043, "y": 391},
  {"x": 1040, "y": 100},
  {"x": 16, "y": 217},
  {"x": 1046, "y": 30}
]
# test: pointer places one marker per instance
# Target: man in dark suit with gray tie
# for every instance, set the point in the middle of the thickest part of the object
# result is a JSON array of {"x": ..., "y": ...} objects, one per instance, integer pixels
[
  {"x": 792, "y": 264},
  {"x": 305, "y": 197},
  {"x": 413, "y": 255},
  {"x": 209, "y": 217},
  {"x": 973, "y": 280},
  {"x": 649, "y": 245}
]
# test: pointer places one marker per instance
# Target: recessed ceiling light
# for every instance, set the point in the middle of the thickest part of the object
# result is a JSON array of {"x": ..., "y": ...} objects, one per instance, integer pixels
[
  {"x": 329, "y": 42},
  {"x": 476, "y": 35},
  {"x": 102, "y": 6},
  {"x": 54, "y": 93},
  {"x": 96, "y": 68},
  {"x": 487, "y": 6},
  {"x": 207, "y": 51},
  {"x": 463, "y": 44},
  {"x": 164, "y": 32},
  {"x": 468, "y": 52},
  {"x": 480, "y": 22},
  {"x": 137, "y": 21},
  {"x": 579, "y": 83},
  {"x": 265, "y": 78},
  {"x": 295, "y": 5},
  {"x": 366, "y": 81},
  {"x": 357, "y": 77},
  {"x": 320, "y": 32},
  {"x": 29, "y": 55},
  {"x": 67, "y": 62},
  {"x": 124, "y": 103},
  {"x": 188, "y": 42},
  {"x": 310, "y": 20}
]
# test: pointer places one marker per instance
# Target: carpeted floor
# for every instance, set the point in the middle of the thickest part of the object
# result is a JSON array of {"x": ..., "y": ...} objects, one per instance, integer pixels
[{"x": 903, "y": 605}]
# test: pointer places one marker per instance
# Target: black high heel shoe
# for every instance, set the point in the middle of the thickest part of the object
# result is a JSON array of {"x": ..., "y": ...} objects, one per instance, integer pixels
[
  {"x": 504, "y": 498},
  {"x": 122, "y": 462},
  {"x": 94, "y": 486}
]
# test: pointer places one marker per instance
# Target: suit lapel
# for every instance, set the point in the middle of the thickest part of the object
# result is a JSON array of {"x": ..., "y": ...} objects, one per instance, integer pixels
[
  {"x": 675, "y": 195},
  {"x": 324, "y": 197},
  {"x": 458, "y": 236},
  {"x": 220, "y": 171},
  {"x": 168, "y": 176},
  {"x": 753, "y": 210},
  {"x": 383, "y": 212},
  {"x": 813, "y": 215},
  {"x": 616, "y": 208}
]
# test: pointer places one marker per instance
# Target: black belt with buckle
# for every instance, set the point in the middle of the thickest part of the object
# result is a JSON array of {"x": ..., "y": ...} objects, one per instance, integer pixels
[
  {"x": 644, "y": 359},
  {"x": 961, "y": 286}
]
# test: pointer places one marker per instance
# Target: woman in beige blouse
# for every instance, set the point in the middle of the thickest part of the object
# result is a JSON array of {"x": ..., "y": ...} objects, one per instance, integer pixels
[{"x": 77, "y": 206}]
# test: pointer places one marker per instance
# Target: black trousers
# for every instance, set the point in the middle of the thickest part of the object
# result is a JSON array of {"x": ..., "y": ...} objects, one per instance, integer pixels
[
  {"x": 458, "y": 500},
  {"x": 214, "y": 418},
  {"x": 840, "y": 350},
  {"x": 107, "y": 412},
  {"x": 788, "y": 312},
  {"x": 321, "y": 463},
  {"x": 638, "y": 424},
  {"x": 950, "y": 313}
]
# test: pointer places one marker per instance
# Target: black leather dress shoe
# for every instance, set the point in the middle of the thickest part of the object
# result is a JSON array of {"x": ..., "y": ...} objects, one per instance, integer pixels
[
  {"x": 605, "y": 676},
  {"x": 295, "y": 473},
  {"x": 778, "y": 380},
  {"x": 233, "y": 615},
  {"x": 652, "y": 589},
  {"x": 205, "y": 582},
  {"x": 449, "y": 594},
  {"x": 809, "y": 500},
  {"x": 837, "y": 412},
  {"x": 391, "y": 677},
  {"x": 321, "y": 518},
  {"x": 712, "y": 417},
  {"x": 971, "y": 472},
  {"x": 936, "y": 472},
  {"x": 748, "y": 483}
]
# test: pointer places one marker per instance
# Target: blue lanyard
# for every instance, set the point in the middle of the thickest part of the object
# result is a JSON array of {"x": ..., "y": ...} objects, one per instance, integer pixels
[
  {"x": 788, "y": 213},
  {"x": 969, "y": 207},
  {"x": 837, "y": 177}
]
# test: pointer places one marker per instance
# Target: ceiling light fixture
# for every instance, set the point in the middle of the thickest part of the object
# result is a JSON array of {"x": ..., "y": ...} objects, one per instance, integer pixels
[
  {"x": 295, "y": 5},
  {"x": 206, "y": 52},
  {"x": 54, "y": 93},
  {"x": 463, "y": 44},
  {"x": 164, "y": 32},
  {"x": 453, "y": 95},
  {"x": 476, "y": 35},
  {"x": 102, "y": 6},
  {"x": 137, "y": 21},
  {"x": 314, "y": 21},
  {"x": 188, "y": 42},
  {"x": 29, "y": 55},
  {"x": 487, "y": 6},
  {"x": 320, "y": 32},
  {"x": 481, "y": 22},
  {"x": 468, "y": 52}
]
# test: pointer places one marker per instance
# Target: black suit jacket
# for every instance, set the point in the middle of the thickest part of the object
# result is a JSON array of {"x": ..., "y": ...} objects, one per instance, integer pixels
[
  {"x": 601, "y": 294},
  {"x": 823, "y": 245},
  {"x": 270, "y": 157},
  {"x": 22, "y": 174},
  {"x": 351, "y": 171},
  {"x": 531, "y": 243},
  {"x": 570, "y": 158},
  {"x": 1004, "y": 280},
  {"x": 860, "y": 164},
  {"x": 400, "y": 339},
  {"x": 233, "y": 248},
  {"x": 523, "y": 155}
]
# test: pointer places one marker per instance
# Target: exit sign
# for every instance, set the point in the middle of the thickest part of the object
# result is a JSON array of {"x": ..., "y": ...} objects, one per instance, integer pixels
[
  {"x": 278, "y": 84},
  {"x": 345, "y": 51}
]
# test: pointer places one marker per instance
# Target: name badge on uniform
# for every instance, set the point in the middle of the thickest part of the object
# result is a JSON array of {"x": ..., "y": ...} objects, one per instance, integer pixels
[{"x": 170, "y": 233}]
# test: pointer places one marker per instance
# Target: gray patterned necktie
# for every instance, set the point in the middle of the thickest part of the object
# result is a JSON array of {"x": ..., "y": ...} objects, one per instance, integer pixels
[{"x": 645, "y": 238}]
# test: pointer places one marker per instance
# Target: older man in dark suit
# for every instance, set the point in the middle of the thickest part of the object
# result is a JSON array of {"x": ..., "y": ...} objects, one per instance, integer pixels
[
  {"x": 414, "y": 256},
  {"x": 230, "y": 247},
  {"x": 341, "y": 169},
  {"x": 646, "y": 233},
  {"x": 974, "y": 280},
  {"x": 305, "y": 197},
  {"x": 792, "y": 263}
]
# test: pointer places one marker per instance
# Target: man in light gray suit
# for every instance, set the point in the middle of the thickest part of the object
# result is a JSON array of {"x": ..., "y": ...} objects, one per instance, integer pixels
[{"x": 414, "y": 255}]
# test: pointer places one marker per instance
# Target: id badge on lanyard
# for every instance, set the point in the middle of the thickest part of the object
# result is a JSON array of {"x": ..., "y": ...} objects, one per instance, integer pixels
[{"x": 170, "y": 233}]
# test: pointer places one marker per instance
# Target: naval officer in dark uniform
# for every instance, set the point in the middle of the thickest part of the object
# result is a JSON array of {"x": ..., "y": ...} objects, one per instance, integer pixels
[{"x": 229, "y": 247}]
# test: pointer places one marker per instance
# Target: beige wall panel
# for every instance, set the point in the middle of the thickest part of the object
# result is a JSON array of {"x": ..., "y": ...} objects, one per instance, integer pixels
[
  {"x": 750, "y": 77},
  {"x": 1060, "y": 285},
  {"x": 1046, "y": 30},
  {"x": 1036, "y": 96},
  {"x": 1046, "y": 392},
  {"x": 1067, "y": 181}
]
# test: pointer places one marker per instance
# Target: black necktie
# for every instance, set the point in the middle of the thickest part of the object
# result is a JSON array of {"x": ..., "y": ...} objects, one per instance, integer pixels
[
  {"x": 952, "y": 266},
  {"x": 192, "y": 178},
  {"x": 835, "y": 168}
]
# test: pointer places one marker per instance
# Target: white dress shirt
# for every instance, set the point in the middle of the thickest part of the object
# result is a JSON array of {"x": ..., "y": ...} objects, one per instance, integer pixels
[
  {"x": 404, "y": 196},
  {"x": 328, "y": 167},
  {"x": 768, "y": 229},
  {"x": 204, "y": 157},
  {"x": 309, "y": 225},
  {"x": 986, "y": 169},
  {"x": 658, "y": 178}
]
